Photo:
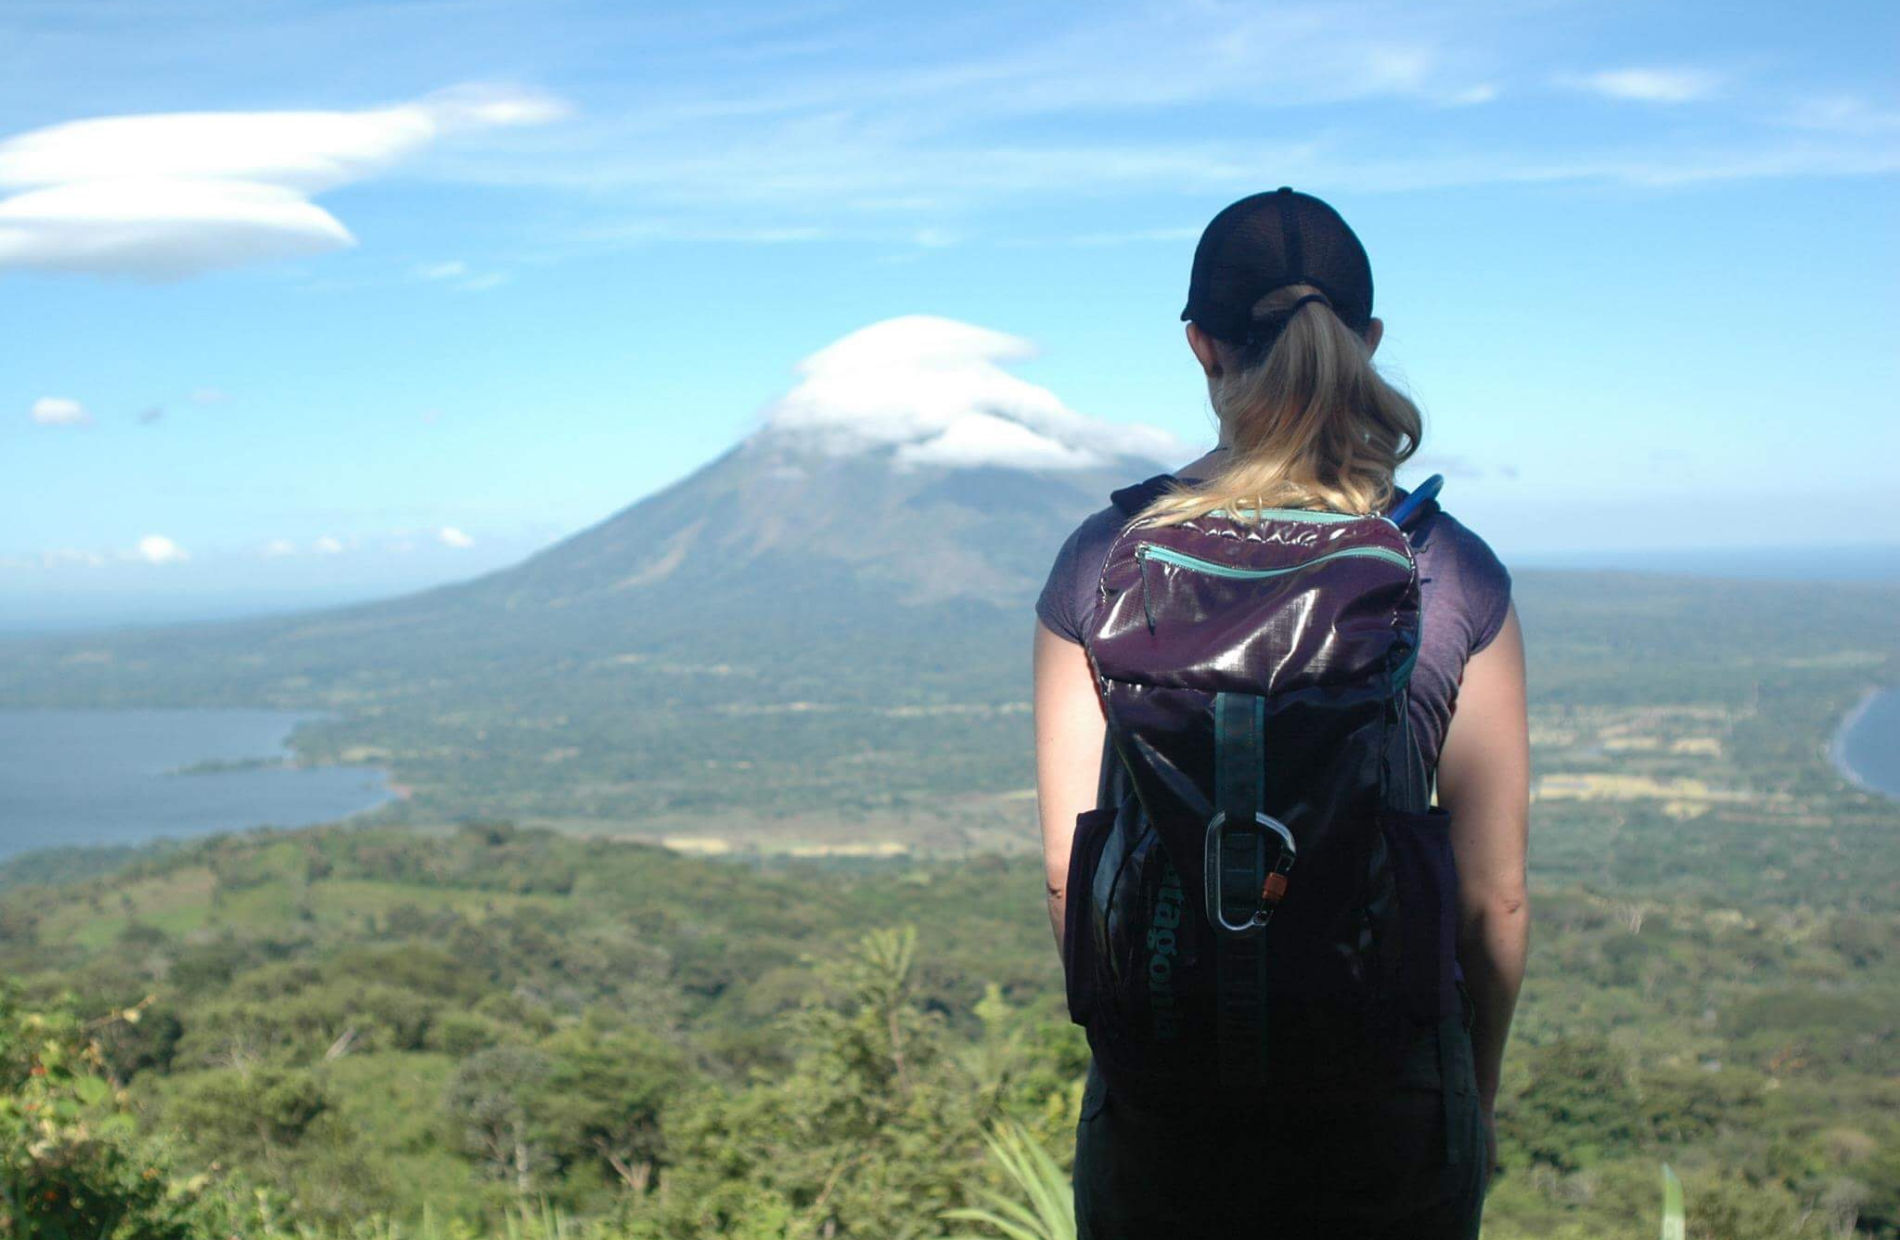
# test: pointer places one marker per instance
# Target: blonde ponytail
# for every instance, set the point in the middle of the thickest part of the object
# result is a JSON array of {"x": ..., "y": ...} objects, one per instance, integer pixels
[{"x": 1310, "y": 422}]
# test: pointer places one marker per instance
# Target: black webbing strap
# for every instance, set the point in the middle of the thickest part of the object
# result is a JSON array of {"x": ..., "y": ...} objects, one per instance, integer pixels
[
  {"x": 1240, "y": 960},
  {"x": 1451, "y": 1086}
]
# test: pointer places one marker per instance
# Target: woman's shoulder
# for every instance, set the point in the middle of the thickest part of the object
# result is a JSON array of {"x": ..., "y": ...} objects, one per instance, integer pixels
[
  {"x": 1459, "y": 566},
  {"x": 1088, "y": 543},
  {"x": 1443, "y": 536},
  {"x": 1068, "y": 594},
  {"x": 1096, "y": 531}
]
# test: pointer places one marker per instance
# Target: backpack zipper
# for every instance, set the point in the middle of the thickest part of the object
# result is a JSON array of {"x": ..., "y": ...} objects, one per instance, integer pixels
[
  {"x": 1318, "y": 516},
  {"x": 1194, "y": 563},
  {"x": 1182, "y": 559}
]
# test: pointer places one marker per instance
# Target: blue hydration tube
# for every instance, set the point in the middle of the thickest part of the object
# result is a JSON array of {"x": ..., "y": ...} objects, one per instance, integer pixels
[{"x": 1409, "y": 507}]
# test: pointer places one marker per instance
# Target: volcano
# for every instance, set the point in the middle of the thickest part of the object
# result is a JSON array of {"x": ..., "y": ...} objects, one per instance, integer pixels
[{"x": 833, "y": 614}]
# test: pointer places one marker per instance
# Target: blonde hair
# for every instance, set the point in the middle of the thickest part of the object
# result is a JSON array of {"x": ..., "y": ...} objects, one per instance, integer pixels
[{"x": 1310, "y": 422}]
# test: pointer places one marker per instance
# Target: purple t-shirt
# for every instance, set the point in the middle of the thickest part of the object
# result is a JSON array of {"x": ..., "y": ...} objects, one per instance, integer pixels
[{"x": 1464, "y": 592}]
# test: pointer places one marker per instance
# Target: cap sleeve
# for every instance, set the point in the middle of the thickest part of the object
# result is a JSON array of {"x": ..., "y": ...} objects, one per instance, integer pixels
[
  {"x": 1056, "y": 605},
  {"x": 1489, "y": 590},
  {"x": 1068, "y": 599}
]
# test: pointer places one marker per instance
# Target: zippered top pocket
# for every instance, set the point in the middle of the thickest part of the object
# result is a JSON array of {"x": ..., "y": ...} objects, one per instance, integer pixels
[
  {"x": 1194, "y": 563},
  {"x": 1146, "y": 551}
]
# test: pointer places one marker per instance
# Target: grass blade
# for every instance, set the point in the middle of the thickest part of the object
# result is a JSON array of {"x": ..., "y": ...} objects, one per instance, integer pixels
[{"x": 1673, "y": 1226}]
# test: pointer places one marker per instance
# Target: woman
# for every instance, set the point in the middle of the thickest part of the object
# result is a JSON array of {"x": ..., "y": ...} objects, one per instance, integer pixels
[{"x": 1279, "y": 318}]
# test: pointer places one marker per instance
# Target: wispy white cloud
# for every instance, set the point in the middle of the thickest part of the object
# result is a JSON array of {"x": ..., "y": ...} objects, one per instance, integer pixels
[
  {"x": 1136, "y": 235},
  {"x": 1646, "y": 85},
  {"x": 1130, "y": 57},
  {"x": 895, "y": 132},
  {"x": 910, "y": 168},
  {"x": 209, "y": 396},
  {"x": 327, "y": 545},
  {"x": 935, "y": 392},
  {"x": 278, "y": 548},
  {"x": 1847, "y": 114},
  {"x": 1470, "y": 96},
  {"x": 1455, "y": 465},
  {"x": 449, "y": 536},
  {"x": 980, "y": 438},
  {"x": 158, "y": 549},
  {"x": 60, "y": 557},
  {"x": 159, "y": 229},
  {"x": 59, "y": 411},
  {"x": 856, "y": 191},
  {"x": 899, "y": 132},
  {"x": 164, "y": 196},
  {"x": 1634, "y": 164},
  {"x": 154, "y": 549},
  {"x": 937, "y": 121},
  {"x": 683, "y": 227},
  {"x": 457, "y": 274}
]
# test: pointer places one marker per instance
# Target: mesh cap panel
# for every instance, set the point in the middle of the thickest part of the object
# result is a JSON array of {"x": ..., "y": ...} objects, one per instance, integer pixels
[{"x": 1268, "y": 241}]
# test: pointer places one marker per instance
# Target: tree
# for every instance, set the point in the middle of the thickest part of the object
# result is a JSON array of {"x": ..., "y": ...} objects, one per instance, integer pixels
[
  {"x": 234, "y": 1115},
  {"x": 607, "y": 1090},
  {"x": 499, "y": 1098},
  {"x": 873, "y": 1130},
  {"x": 71, "y": 1164},
  {"x": 1581, "y": 1106}
]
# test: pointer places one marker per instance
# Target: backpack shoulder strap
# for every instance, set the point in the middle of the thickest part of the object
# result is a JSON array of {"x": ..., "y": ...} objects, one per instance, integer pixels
[
  {"x": 1416, "y": 507},
  {"x": 1132, "y": 499},
  {"x": 1128, "y": 501},
  {"x": 1419, "y": 504}
]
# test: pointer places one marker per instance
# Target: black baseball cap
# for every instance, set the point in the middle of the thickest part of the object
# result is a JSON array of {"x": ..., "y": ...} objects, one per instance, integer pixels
[{"x": 1268, "y": 241}]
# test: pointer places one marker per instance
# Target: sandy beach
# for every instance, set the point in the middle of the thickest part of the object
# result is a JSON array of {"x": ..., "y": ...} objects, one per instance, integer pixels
[{"x": 1837, "y": 747}]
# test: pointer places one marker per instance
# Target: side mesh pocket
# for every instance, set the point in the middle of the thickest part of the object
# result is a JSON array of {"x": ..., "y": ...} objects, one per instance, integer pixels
[
  {"x": 1080, "y": 966},
  {"x": 1425, "y": 873}
]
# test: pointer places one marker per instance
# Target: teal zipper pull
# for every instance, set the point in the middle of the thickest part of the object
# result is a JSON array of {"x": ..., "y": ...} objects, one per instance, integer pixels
[{"x": 1141, "y": 559}]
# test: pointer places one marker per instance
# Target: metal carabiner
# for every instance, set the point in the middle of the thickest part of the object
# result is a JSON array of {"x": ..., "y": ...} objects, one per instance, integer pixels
[{"x": 1273, "y": 878}]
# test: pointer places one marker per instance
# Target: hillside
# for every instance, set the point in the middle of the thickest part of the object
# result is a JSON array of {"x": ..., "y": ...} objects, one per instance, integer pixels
[{"x": 387, "y": 1021}]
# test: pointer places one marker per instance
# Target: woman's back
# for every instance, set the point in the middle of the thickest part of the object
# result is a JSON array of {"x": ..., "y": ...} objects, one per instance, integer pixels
[{"x": 1279, "y": 318}]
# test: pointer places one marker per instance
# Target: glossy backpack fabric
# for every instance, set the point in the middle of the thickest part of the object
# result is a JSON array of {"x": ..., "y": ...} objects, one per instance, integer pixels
[{"x": 1263, "y": 898}]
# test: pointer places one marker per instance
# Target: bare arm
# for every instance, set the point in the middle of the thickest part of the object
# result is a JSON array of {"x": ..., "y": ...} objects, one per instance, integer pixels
[
  {"x": 1069, "y": 728},
  {"x": 1484, "y": 783}
]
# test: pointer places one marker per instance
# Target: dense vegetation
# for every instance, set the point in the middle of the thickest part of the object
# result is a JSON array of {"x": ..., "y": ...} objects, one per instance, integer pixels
[
  {"x": 328, "y": 1025},
  {"x": 319, "y": 1032}
]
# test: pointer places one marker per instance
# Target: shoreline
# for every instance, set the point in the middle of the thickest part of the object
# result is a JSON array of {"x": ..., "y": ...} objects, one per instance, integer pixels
[
  {"x": 380, "y": 788},
  {"x": 1837, "y": 745},
  {"x": 395, "y": 794}
]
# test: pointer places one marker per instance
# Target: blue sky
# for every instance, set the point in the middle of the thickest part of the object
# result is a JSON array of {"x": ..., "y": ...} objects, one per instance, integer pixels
[{"x": 336, "y": 299}]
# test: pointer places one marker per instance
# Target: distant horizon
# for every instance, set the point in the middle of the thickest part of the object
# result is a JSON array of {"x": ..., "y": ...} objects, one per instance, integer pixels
[{"x": 1873, "y": 563}]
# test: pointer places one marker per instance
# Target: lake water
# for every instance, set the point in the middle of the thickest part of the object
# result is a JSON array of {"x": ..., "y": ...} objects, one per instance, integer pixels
[
  {"x": 1867, "y": 749},
  {"x": 110, "y": 776}
]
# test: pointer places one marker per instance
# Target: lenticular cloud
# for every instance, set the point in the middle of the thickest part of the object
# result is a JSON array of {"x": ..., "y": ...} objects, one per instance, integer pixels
[
  {"x": 936, "y": 392},
  {"x": 173, "y": 195}
]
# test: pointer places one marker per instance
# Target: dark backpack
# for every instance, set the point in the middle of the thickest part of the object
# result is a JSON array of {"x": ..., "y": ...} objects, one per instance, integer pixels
[{"x": 1263, "y": 896}]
